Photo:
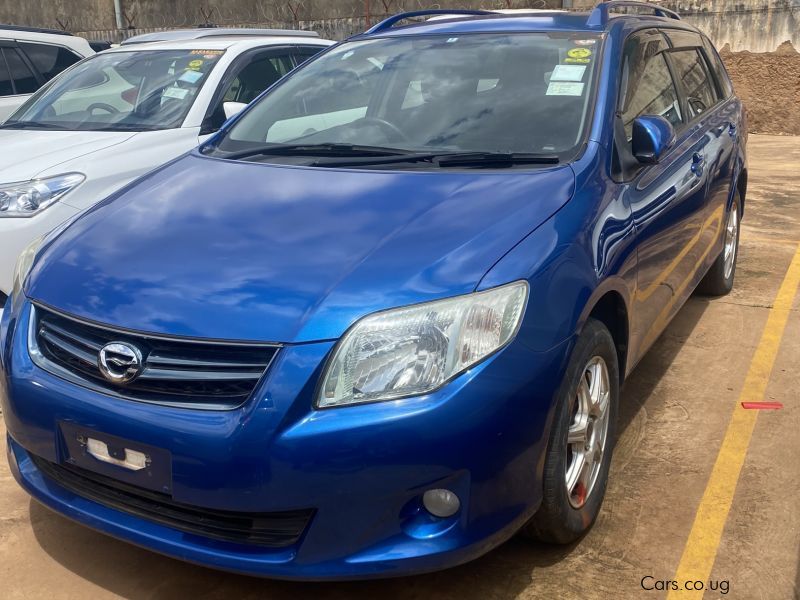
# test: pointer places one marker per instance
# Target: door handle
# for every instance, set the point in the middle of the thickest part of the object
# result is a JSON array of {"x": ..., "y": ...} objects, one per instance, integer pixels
[
  {"x": 697, "y": 163},
  {"x": 732, "y": 130}
]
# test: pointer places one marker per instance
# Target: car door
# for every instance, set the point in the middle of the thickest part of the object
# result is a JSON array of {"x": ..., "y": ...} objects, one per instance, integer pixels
[
  {"x": 248, "y": 76},
  {"x": 668, "y": 199},
  {"x": 715, "y": 117}
]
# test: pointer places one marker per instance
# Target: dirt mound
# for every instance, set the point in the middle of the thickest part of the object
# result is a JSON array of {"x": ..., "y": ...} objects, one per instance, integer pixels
[{"x": 769, "y": 84}]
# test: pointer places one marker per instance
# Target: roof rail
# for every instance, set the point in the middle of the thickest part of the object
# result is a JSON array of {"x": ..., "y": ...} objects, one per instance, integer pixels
[
  {"x": 388, "y": 23},
  {"x": 34, "y": 29},
  {"x": 601, "y": 13},
  {"x": 175, "y": 35}
]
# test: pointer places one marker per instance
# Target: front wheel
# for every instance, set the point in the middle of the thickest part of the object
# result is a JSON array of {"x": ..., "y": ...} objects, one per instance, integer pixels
[{"x": 581, "y": 440}]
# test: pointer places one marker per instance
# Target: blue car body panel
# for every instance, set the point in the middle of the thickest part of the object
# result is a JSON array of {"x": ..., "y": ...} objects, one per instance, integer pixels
[
  {"x": 214, "y": 249},
  {"x": 288, "y": 258}
]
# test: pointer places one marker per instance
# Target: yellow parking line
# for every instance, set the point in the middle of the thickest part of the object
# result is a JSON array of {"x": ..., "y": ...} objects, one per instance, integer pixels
[{"x": 701, "y": 547}]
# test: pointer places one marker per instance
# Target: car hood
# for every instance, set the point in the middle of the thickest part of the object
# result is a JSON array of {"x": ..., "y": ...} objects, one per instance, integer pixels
[
  {"x": 28, "y": 153},
  {"x": 246, "y": 251}
]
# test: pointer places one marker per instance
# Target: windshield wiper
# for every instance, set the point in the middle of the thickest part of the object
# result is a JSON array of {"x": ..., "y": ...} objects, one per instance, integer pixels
[
  {"x": 495, "y": 159},
  {"x": 448, "y": 159},
  {"x": 329, "y": 149},
  {"x": 31, "y": 125}
]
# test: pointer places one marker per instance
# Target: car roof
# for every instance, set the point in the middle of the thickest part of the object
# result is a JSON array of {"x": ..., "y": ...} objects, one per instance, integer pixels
[
  {"x": 223, "y": 43},
  {"x": 601, "y": 19},
  {"x": 47, "y": 36},
  {"x": 214, "y": 32}
]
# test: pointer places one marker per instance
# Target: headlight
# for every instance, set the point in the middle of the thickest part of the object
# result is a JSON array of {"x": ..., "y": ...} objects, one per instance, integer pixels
[
  {"x": 415, "y": 350},
  {"x": 31, "y": 197},
  {"x": 24, "y": 264}
]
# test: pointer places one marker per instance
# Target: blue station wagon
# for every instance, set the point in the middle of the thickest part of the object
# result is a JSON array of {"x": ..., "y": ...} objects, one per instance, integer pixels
[{"x": 378, "y": 324}]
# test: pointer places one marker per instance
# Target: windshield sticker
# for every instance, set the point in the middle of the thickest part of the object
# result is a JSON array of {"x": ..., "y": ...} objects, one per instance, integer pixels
[
  {"x": 568, "y": 73},
  {"x": 195, "y": 64},
  {"x": 579, "y": 53},
  {"x": 176, "y": 93},
  {"x": 208, "y": 53},
  {"x": 564, "y": 88},
  {"x": 580, "y": 61},
  {"x": 191, "y": 76},
  {"x": 584, "y": 42}
]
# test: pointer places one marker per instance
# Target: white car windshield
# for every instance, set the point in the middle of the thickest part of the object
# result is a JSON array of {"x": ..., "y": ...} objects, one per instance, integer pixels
[
  {"x": 509, "y": 93},
  {"x": 120, "y": 91}
]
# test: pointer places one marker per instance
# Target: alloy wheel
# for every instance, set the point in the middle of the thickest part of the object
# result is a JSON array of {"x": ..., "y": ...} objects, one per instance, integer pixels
[
  {"x": 588, "y": 432},
  {"x": 731, "y": 231}
]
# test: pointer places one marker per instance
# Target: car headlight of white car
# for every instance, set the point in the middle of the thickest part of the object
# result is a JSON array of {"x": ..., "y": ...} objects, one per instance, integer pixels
[
  {"x": 417, "y": 349},
  {"x": 32, "y": 197}
]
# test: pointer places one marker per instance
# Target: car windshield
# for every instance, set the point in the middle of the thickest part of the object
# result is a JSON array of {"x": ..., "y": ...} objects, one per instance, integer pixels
[
  {"x": 120, "y": 91},
  {"x": 474, "y": 93}
]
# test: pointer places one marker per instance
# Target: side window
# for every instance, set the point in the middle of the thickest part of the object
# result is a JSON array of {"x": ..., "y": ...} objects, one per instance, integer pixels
[
  {"x": 255, "y": 77},
  {"x": 24, "y": 80},
  {"x": 49, "y": 60},
  {"x": 250, "y": 78},
  {"x": 6, "y": 89},
  {"x": 719, "y": 69},
  {"x": 303, "y": 53},
  {"x": 690, "y": 69},
  {"x": 647, "y": 85}
]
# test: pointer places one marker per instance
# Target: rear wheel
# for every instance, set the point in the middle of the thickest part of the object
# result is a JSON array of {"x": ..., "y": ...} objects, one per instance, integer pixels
[
  {"x": 581, "y": 440},
  {"x": 719, "y": 279}
]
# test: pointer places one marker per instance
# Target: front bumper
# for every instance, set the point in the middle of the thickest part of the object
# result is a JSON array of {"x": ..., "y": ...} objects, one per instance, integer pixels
[{"x": 362, "y": 469}]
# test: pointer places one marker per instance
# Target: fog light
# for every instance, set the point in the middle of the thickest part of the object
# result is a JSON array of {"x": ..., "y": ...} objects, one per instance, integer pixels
[{"x": 441, "y": 503}]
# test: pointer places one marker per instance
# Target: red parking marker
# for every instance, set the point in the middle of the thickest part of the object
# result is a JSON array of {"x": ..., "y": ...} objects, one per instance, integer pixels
[{"x": 762, "y": 405}]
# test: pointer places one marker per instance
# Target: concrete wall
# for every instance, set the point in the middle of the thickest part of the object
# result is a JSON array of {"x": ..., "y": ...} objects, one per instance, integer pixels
[{"x": 755, "y": 25}]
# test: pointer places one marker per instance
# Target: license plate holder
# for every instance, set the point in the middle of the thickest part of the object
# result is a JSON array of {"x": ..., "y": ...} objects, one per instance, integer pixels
[{"x": 128, "y": 461}]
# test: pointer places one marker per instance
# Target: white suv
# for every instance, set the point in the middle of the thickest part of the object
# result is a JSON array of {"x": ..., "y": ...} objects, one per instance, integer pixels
[
  {"x": 30, "y": 57},
  {"x": 119, "y": 114}
]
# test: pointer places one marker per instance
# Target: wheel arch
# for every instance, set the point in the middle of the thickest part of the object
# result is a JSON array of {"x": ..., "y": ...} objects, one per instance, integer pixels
[{"x": 609, "y": 305}]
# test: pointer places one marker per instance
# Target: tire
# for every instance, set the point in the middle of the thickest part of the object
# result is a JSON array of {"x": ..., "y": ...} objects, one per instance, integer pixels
[
  {"x": 567, "y": 512},
  {"x": 719, "y": 279}
]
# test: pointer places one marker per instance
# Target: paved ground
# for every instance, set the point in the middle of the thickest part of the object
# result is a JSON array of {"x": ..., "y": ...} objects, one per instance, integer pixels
[{"x": 677, "y": 406}]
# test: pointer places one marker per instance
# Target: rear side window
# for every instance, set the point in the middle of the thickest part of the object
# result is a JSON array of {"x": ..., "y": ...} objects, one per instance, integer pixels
[
  {"x": 647, "y": 85},
  {"x": 49, "y": 60},
  {"x": 691, "y": 71},
  {"x": 24, "y": 80},
  {"x": 6, "y": 89},
  {"x": 719, "y": 69}
]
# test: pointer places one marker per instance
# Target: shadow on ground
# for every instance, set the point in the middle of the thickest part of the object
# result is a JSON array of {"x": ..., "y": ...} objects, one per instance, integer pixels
[{"x": 132, "y": 572}]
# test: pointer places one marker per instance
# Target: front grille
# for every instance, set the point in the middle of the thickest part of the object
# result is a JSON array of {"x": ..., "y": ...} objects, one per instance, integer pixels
[
  {"x": 274, "y": 530},
  {"x": 180, "y": 372}
]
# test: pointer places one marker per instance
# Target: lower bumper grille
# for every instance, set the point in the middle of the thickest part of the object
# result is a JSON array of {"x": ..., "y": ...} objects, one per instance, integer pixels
[{"x": 273, "y": 530}]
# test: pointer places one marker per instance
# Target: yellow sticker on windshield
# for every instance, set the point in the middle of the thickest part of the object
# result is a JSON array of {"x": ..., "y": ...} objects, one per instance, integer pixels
[
  {"x": 208, "y": 52},
  {"x": 196, "y": 64},
  {"x": 578, "y": 61},
  {"x": 579, "y": 53}
]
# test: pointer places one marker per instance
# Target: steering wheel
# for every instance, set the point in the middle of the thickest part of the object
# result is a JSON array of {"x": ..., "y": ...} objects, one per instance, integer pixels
[
  {"x": 102, "y": 106},
  {"x": 393, "y": 129}
]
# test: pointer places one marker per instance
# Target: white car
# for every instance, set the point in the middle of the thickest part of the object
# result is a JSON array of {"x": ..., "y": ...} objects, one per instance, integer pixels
[
  {"x": 30, "y": 57},
  {"x": 119, "y": 114}
]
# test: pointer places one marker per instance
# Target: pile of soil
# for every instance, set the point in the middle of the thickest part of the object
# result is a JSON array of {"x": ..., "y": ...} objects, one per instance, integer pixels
[{"x": 769, "y": 84}]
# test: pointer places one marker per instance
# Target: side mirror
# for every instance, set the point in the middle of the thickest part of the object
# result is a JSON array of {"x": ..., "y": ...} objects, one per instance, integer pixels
[
  {"x": 233, "y": 108},
  {"x": 652, "y": 136}
]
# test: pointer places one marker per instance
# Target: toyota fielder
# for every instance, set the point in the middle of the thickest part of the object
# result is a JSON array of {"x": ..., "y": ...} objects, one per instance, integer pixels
[{"x": 378, "y": 324}]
